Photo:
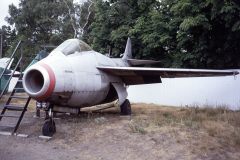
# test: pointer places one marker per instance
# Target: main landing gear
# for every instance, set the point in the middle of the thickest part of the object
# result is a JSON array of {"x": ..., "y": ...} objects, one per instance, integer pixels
[
  {"x": 126, "y": 108},
  {"x": 49, "y": 127}
]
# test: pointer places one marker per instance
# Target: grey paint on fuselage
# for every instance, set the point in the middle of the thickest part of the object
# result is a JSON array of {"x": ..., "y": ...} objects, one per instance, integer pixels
[
  {"x": 78, "y": 81},
  {"x": 76, "y": 76}
]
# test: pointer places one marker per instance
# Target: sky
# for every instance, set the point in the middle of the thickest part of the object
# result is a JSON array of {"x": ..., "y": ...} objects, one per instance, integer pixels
[{"x": 4, "y": 9}]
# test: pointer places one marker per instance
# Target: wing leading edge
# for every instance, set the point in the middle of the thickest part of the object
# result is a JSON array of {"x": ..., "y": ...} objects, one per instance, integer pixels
[{"x": 139, "y": 75}]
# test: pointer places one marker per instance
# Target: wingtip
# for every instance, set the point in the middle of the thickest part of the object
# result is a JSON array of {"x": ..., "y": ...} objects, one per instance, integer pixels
[{"x": 235, "y": 72}]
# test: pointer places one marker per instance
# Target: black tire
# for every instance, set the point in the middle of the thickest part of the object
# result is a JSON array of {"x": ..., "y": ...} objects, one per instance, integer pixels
[
  {"x": 49, "y": 128},
  {"x": 126, "y": 108}
]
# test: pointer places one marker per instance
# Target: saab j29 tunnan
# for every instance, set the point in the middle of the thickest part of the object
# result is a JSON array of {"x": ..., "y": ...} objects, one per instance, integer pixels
[{"x": 74, "y": 76}]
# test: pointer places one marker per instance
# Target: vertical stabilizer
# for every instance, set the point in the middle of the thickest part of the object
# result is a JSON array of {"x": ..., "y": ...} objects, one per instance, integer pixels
[{"x": 128, "y": 50}]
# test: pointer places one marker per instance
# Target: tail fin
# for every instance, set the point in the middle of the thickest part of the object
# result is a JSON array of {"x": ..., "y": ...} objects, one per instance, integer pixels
[
  {"x": 127, "y": 56},
  {"x": 128, "y": 50}
]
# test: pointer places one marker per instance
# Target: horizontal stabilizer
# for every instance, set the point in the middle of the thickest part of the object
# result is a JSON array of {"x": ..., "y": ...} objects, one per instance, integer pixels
[{"x": 137, "y": 62}]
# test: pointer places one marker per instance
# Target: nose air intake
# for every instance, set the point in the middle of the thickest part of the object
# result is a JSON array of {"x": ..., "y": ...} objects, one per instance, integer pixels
[
  {"x": 39, "y": 81},
  {"x": 34, "y": 81}
]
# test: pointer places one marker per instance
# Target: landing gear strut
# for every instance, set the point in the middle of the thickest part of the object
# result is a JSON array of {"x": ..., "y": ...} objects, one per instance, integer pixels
[
  {"x": 126, "y": 108},
  {"x": 49, "y": 127}
]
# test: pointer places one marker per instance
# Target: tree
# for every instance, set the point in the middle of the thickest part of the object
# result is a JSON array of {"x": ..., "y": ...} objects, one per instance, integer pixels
[
  {"x": 112, "y": 24},
  {"x": 42, "y": 22},
  {"x": 208, "y": 33},
  {"x": 157, "y": 31},
  {"x": 84, "y": 18},
  {"x": 179, "y": 33},
  {"x": 8, "y": 36}
]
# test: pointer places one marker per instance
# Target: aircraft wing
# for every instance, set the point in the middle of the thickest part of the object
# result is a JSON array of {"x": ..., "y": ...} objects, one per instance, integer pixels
[{"x": 140, "y": 75}]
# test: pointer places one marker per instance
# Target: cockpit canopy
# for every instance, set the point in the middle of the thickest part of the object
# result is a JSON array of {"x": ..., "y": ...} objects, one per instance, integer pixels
[{"x": 73, "y": 45}]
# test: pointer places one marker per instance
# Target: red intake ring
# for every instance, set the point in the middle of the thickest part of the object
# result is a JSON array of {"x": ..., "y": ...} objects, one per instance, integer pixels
[{"x": 52, "y": 83}]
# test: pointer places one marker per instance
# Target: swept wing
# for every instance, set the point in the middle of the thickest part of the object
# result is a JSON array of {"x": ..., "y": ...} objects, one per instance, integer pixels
[{"x": 140, "y": 75}]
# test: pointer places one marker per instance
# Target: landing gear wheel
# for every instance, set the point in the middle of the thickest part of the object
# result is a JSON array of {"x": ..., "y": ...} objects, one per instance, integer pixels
[
  {"x": 126, "y": 108},
  {"x": 49, "y": 127}
]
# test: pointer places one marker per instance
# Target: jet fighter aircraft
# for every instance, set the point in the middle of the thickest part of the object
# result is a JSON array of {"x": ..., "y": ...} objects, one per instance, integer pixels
[{"x": 74, "y": 76}]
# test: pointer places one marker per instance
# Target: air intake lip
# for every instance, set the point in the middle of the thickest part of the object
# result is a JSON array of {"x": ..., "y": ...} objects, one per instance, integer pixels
[{"x": 39, "y": 81}]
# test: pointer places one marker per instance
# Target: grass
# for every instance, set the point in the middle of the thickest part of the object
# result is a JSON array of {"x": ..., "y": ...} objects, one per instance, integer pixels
[
  {"x": 219, "y": 123},
  {"x": 137, "y": 128}
]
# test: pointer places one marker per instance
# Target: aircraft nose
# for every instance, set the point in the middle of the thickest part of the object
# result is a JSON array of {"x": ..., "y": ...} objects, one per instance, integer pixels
[{"x": 39, "y": 81}]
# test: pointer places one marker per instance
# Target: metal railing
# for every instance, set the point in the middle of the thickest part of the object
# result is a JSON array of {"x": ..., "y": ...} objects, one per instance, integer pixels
[{"x": 9, "y": 65}]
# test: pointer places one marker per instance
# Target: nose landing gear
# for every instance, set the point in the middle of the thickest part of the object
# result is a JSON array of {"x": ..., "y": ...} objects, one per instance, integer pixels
[{"x": 49, "y": 127}]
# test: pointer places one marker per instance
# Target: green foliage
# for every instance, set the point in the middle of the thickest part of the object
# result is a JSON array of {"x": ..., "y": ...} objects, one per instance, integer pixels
[
  {"x": 191, "y": 22},
  {"x": 179, "y": 33},
  {"x": 43, "y": 22},
  {"x": 113, "y": 22},
  {"x": 8, "y": 36}
]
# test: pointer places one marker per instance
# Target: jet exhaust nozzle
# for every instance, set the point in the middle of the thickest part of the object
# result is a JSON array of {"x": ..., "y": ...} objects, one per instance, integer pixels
[{"x": 39, "y": 81}]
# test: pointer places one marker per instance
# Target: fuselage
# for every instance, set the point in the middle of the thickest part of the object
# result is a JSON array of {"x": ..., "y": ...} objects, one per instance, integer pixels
[{"x": 71, "y": 79}]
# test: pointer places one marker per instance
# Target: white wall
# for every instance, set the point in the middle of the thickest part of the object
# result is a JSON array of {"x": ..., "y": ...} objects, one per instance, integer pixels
[{"x": 212, "y": 91}]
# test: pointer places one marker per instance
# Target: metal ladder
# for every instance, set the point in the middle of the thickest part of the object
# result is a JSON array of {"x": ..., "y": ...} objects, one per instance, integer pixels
[
  {"x": 12, "y": 106},
  {"x": 16, "y": 101}
]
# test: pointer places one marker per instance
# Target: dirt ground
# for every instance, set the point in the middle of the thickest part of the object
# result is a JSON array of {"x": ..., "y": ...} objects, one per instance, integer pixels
[{"x": 152, "y": 132}]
